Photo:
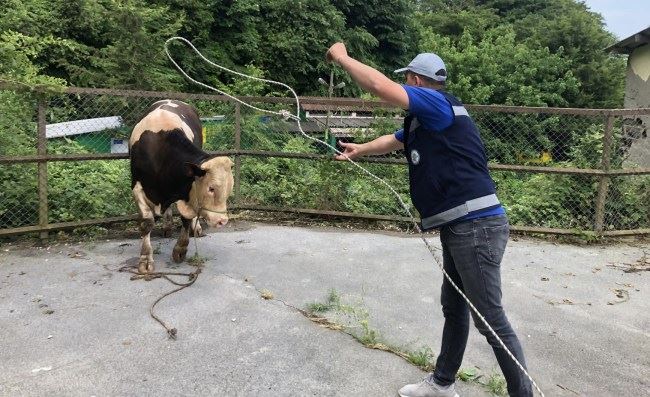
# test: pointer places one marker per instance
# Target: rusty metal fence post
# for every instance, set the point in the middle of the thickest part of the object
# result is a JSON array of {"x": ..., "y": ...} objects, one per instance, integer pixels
[
  {"x": 604, "y": 179},
  {"x": 41, "y": 149},
  {"x": 237, "y": 176}
]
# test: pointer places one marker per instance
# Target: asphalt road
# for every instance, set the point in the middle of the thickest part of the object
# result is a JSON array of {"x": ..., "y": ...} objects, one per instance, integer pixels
[{"x": 72, "y": 325}]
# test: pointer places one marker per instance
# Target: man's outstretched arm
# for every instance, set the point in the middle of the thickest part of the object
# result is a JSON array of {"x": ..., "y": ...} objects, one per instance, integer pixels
[
  {"x": 368, "y": 78},
  {"x": 382, "y": 145}
]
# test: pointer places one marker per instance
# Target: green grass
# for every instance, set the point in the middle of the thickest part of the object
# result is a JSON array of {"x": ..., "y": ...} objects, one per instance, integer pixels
[
  {"x": 496, "y": 385},
  {"x": 422, "y": 358},
  {"x": 361, "y": 330}
]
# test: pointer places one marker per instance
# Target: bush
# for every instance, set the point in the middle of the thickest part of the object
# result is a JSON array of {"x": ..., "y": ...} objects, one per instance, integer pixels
[{"x": 87, "y": 189}]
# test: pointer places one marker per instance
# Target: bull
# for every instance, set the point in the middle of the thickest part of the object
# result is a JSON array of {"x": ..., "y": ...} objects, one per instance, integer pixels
[{"x": 168, "y": 165}]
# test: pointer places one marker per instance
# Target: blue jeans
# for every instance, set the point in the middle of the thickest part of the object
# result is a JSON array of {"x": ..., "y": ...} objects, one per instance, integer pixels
[{"x": 472, "y": 251}]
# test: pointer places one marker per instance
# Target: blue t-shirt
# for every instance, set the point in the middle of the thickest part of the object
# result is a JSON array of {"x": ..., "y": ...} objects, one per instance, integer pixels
[
  {"x": 435, "y": 113},
  {"x": 431, "y": 108}
]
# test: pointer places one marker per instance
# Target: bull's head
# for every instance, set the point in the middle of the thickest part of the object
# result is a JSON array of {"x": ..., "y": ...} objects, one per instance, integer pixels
[{"x": 213, "y": 183}]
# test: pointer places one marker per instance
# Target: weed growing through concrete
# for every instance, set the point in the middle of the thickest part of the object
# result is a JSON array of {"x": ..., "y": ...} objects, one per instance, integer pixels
[
  {"x": 467, "y": 374},
  {"x": 422, "y": 358},
  {"x": 496, "y": 385},
  {"x": 196, "y": 260},
  {"x": 358, "y": 326},
  {"x": 332, "y": 302}
]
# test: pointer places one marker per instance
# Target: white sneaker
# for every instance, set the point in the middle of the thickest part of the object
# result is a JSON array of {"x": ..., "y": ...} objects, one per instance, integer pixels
[{"x": 427, "y": 388}]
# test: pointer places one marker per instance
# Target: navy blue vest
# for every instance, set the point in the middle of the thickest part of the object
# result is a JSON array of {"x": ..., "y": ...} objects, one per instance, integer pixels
[{"x": 447, "y": 168}]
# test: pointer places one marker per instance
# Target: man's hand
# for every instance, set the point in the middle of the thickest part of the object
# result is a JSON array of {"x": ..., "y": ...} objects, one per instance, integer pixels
[
  {"x": 351, "y": 151},
  {"x": 336, "y": 52}
]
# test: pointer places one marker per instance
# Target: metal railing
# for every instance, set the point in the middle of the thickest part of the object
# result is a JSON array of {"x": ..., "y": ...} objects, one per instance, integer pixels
[{"x": 563, "y": 171}]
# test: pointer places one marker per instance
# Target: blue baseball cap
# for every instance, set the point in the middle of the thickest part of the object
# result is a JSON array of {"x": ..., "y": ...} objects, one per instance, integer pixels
[{"x": 427, "y": 64}]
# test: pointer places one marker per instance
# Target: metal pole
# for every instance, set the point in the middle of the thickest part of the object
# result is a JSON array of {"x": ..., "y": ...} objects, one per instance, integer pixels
[
  {"x": 330, "y": 91},
  {"x": 237, "y": 175},
  {"x": 604, "y": 180},
  {"x": 41, "y": 149}
]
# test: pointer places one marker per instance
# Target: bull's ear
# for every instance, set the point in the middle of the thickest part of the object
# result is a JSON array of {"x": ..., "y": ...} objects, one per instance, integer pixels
[{"x": 193, "y": 170}]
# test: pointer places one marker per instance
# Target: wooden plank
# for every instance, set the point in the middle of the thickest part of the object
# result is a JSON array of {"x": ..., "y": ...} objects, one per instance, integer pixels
[
  {"x": 361, "y": 103},
  {"x": 603, "y": 184},
  {"x": 267, "y": 208},
  {"x": 126, "y": 218},
  {"x": 315, "y": 156},
  {"x": 237, "y": 176},
  {"x": 521, "y": 229},
  {"x": 41, "y": 149},
  {"x": 621, "y": 233},
  {"x": 66, "y": 225}
]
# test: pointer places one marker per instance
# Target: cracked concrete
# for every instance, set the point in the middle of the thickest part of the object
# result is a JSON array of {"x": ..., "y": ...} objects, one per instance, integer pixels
[{"x": 100, "y": 340}]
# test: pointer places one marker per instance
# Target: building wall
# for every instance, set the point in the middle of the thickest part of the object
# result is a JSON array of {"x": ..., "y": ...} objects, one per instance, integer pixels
[{"x": 637, "y": 95}]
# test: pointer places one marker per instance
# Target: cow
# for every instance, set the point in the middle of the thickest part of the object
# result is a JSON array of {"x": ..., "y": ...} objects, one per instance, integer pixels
[{"x": 169, "y": 166}]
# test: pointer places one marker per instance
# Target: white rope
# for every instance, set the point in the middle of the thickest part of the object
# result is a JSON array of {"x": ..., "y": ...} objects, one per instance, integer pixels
[{"x": 288, "y": 115}]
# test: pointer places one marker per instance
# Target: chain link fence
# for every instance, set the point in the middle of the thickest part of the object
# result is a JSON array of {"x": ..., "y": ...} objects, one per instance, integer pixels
[{"x": 64, "y": 160}]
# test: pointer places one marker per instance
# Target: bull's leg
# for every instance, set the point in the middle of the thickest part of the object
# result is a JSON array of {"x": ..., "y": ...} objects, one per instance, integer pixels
[
  {"x": 197, "y": 230},
  {"x": 168, "y": 223},
  {"x": 180, "y": 249},
  {"x": 145, "y": 264}
]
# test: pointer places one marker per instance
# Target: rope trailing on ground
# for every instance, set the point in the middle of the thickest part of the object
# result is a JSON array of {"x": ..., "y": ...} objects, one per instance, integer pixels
[
  {"x": 296, "y": 117},
  {"x": 192, "y": 277}
]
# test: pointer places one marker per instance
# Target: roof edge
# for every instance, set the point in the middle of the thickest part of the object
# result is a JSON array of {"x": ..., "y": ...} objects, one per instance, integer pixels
[{"x": 629, "y": 44}]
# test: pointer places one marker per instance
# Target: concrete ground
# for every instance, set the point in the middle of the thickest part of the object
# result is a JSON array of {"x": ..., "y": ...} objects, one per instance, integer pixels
[{"x": 72, "y": 325}]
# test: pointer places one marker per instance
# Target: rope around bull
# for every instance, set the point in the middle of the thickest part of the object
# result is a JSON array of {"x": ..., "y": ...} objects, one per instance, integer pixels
[{"x": 296, "y": 117}]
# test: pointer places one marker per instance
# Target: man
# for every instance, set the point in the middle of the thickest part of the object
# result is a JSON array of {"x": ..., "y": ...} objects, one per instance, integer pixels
[{"x": 452, "y": 190}]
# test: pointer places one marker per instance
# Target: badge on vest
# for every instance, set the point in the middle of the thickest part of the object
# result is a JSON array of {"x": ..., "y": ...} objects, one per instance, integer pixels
[{"x": 415, "y": 157}]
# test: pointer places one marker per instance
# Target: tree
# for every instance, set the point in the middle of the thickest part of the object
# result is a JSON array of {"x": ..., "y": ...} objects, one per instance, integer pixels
[
  {"x": 133, "y": 55},
  {"x": 390, "y": 25},
  {"x": 295, "y": 36},
  {"x": 566, "y": 27},
  {"x": 497, "y": 69}
]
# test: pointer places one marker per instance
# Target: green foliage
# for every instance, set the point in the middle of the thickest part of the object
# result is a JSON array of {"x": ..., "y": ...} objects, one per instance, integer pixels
[
  {"x": 497, "y": 69},
  {"x": 133, "y": 56},
  {"x": 496, "y": 385},
  {"x": 18, "y": 185},
  {"x": 556, "y": 44},
  {"x": 422, "y": 358},
  {"x": 528, "y": 52},
  {"x": 628, "y": 203},
  {"x": 18, "y": 196},
  {"x": 18, "y": 53},
  {"x": 548, "y": 200},
  {"x": 332, "y": 302},
  {"x": 296, "y": 36},
  {"x": 572, "y": 36},
  {"x": 467, "y": 374},
  {"x": 87, "y": 189},
  {"x": 568, "y": 29},
  {"x": 309, "y": 184},
  {"x": 356, "y": 316},
  {"x": 379, "y": 32}
]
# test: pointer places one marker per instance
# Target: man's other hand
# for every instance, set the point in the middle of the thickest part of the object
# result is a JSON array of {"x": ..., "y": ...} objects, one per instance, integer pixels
[
  {"x": 336, "y": 52},
  {"x": 350, "y": 151}
]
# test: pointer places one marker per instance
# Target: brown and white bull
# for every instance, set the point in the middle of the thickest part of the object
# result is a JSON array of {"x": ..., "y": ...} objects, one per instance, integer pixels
[{"x": 169, "y": 166}]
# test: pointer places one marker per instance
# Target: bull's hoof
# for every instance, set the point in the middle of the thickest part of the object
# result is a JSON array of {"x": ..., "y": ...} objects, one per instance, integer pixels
[
  {"x": 167, "y": 232},
  {"x": 179, "y": 253},
  {"x": 145, "y": 265}
]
